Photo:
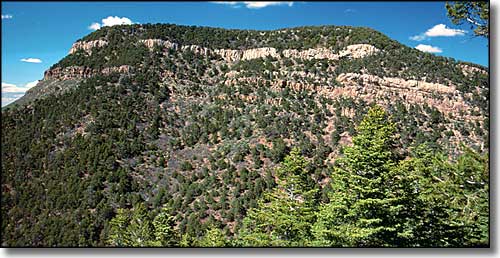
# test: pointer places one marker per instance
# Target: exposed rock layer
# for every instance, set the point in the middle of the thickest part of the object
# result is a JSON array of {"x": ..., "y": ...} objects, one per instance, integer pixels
[
  {"x": 87, "y": 46},
  {"x": 231, "y": 55},
  {"x": 372, "y": 88},
  {"x": 81, "y": 72}
]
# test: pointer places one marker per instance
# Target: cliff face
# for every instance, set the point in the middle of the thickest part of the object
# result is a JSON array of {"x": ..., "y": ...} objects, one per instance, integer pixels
[
  {"x": 67, "y": 73},
  {"x": 374, "y": 89},
  {"x": 355, "y": 51},
  {"x": 446, "y": 98},
  {"x": 371, "y": 88},
  {"x": 443, "y": 96},
  {"x": 231, "y": 55},
  {"x": 87, "y": 46},
  {"x": 468, "y": 70},
  {"x": 228, "y": 55},
  {"x": 82, "y": 72}
]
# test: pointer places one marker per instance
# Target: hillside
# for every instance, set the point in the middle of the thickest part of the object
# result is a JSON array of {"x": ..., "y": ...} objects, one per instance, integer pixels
[{"x": 199, "y": 120}]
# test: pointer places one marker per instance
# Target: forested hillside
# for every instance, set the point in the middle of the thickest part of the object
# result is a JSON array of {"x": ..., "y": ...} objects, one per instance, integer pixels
[{"x": 167, "y": 135}]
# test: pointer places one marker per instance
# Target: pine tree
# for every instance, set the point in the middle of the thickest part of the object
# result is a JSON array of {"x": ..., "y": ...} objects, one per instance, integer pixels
[
  {"x": 117, "y": 236},
  {"x": 134, "y": 228},
  {"x": 378, "y": 199},
  {"x": 164, "y": 229},
  {"x": 285, "y": 215},
  {"x": 473, "y": 175},
  {"x": 362, "y": 202},
  {"x": 213, "y": 237},
  {"x": 140, "y": 227}
]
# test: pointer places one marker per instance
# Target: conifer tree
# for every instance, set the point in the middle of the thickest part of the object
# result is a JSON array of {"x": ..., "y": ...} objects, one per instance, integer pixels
[
  {"x": 362, "y": 202},
  {"x": 285, "y": 215},
  {"x": 117, "y": 236},
  {"x": 164, "y": 229},
  {"x": 213, "y": 237}
]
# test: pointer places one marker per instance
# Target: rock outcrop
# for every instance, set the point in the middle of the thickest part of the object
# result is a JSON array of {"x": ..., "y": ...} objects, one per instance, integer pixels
[
  {"x": 468, "y": 70},
  {"x": 124, "y": 69},
  {"x": 358, "y": 51},
  {"x": 151, "y": 43},
  {"x": 87, "y": 46},
  {"x": 81, "y": 72},
  {"x": 312, "y": 53},
  {"x": 69, "y": 73},
  {"x": 372, "y": 88},
  {"x": 352, "y": 79},
  {"x": 262, "y": 52},
  {"x": 231, "y": 55}
]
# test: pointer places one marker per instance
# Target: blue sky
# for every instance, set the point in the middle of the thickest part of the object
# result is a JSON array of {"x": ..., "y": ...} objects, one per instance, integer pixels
[{"x": 35, "y": 35}]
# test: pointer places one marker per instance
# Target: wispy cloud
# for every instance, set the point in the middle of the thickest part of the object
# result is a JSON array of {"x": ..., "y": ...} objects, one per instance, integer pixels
[
  {"x": 7, "y": 16},
  {"x": 252, "y": 4},
  {"x": 12, "y": 92},
  {"x": 31, "y": 60},
  {"x": 349, "y": 10},
  {"x": 12, "y": 88},
  {"x": 428, "y": 48},
  {"x": 94, "y": 26},
  {"x": 439, "y": 30},
  {"x": 6, "y": 100},
  {"x": 111, "y": 21},
  {"x": 419, "y": 37}
]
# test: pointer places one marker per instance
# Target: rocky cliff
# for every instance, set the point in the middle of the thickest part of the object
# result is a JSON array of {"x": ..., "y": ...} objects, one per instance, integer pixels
[
  {"x": 82, "y": 72},
  {"x": 87, "y": 46}
]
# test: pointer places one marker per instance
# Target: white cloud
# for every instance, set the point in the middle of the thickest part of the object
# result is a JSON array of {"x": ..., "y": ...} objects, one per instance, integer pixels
[
  {"x": 441, "y": 30},
  {"x": 222, "y": 2},
  {"x": 428, "y": 48},
  {"x": 7, "y": 87},
  {"x": 418, "y": 37},
  {"x": 115, "y": 20},
  {"x": 95, "y": 26},
  {"x": 6, "y": 16},
  {"x": 254, "y": 5},
  {"x": 7, "y": 100},
  {"x": 257, "y": 5},
  {"x": 12, "y": 88},
  {"x": 31, "y": 60},
  {"x": 12, "y": 92},
  {"x": 31, "y": 84},
  {"x": 111, "y": 21}
]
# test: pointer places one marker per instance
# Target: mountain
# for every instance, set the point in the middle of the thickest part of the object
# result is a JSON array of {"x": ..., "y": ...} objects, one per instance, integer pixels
[{"x": 199, "y": 119}]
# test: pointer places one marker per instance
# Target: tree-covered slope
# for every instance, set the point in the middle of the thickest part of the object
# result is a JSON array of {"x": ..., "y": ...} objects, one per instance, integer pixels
[{"x": 177, "y": 135}]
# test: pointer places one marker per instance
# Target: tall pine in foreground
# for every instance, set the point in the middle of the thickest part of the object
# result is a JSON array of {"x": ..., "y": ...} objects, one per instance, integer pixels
[
  {"x": 284, "y": 217},
  {"x": 362, "y": 200},
  {"x": 381, "y": 200},
  {"x": 134, "y": 228}
]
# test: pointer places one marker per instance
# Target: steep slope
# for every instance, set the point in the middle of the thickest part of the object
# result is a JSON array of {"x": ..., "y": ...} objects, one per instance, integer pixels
[{"x": 198, "y": 118}]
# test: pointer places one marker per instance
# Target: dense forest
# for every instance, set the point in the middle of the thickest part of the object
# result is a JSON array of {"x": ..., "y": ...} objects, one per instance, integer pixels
[{"x": 187, "y": 149}]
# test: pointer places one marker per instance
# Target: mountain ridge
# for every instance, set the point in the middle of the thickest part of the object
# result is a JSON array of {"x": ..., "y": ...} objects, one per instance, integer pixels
[{"x": 180, "y": 117}]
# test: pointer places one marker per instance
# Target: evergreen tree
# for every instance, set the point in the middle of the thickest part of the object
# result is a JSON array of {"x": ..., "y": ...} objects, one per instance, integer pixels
[
  {"x": 164, "y": 229},
  {"x": 380, "y": 200},
  {"x": 362, "y": 201},
  {"x": 140, "y": 228},
  {"x": 134, "y": 228},
  {"x": 285, "y": 215},
  {"x": 117, "y": 235},
  {"x": 476, "y": 14},
  {"x": 213, "y": 237}
]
